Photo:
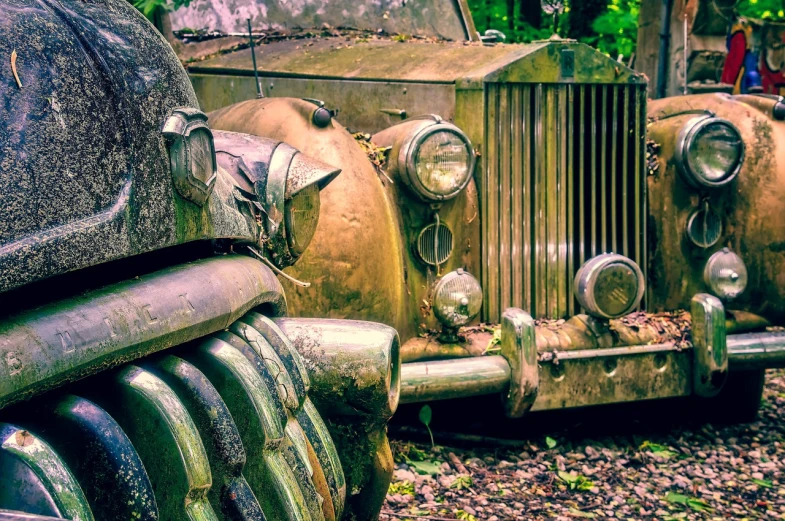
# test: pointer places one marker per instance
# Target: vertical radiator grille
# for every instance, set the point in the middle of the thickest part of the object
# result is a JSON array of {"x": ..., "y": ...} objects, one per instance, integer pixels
[{"x": 563, "y": 181}]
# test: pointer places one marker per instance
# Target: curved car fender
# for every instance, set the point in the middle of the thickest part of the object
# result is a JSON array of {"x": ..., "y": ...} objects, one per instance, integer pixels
[
  {"x": 753, "y": 217},
  {"x": 356, "y": 269}
]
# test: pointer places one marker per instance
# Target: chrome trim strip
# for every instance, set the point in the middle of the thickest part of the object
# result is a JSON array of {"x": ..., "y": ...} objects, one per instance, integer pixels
[{"x": 518, "y": 217}]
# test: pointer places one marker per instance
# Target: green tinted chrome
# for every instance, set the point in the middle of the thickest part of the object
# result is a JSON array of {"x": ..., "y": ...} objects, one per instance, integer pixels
[
  {"x": 319, "y": 437},
  {"x": 200, "y": 510},
  {"x": 295, "y": 452},
  {"x": 179, "y": 422},
  {"x": 709, "y": 345},
  {"x": 272, "y": 362},
  {"x": 253, "y": 385},
  {"x": 519, "y": 348},
  {"x": 51, "y": 470},
  {"x": 286, "y": 487},
  {"x": 283, "y": 348}
]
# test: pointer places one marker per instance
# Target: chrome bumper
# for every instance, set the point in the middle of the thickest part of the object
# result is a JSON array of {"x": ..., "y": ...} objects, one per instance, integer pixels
[{"x": 596, "y": 376}]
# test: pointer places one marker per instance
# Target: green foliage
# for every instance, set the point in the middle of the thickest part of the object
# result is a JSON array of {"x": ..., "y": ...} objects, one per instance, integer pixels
[
  {"x": 464, "y": 516},
  {"x": 149, "y": 7},
  {"x": 494, "y": 344},
  {"x": 426, "y": 414},
  {"x": 659, "y": 450},
  {"x": 765, "y": 483},
  {"x": 762, "y": 9},
  {"x": 462, "y": 482},
  {"x": 615, "y": 30},
  {"x": 493, "y": 14},
  {"x": 405, "y": 488},
  {"x": 698, "y": 505},
  {"x": 575, "y": 481},
  {"x": 426, "y": 468}
]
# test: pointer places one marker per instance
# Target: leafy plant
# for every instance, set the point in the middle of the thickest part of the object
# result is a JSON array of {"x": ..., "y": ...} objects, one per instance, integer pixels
[
  {"x": 465, "y": 516},
  {"x": 415, "y": 454},
  {"x": 698, "y": 505},
  {"x": 575, "y": 481},
  {"x": 763, "y": 482},
  {"x": 401, "y": 487},
  {"x": 426, "y": 414},
  {"x": 616, "y": 28},
  {"x": 494, "y": 344},
  {"x": 462, "y": 482},
  {"x": 662, "y": 451},
  {"x": 426, "y": 467},
  {"x": 550, "y": 442}
]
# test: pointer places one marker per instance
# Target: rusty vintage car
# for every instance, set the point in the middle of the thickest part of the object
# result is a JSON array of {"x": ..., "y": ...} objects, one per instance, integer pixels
[
  {"x": 514, "y": 215},
  {"x": 147, "y": 363}
]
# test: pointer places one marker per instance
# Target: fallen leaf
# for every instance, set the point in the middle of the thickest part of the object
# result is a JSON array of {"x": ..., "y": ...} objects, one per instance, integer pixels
[{"x": 13, "y": 68}]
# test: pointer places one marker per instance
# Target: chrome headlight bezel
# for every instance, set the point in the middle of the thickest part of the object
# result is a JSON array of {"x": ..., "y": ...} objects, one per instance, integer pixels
[
  {"x": 727, "y": 256},
  {"x": 449, "y": 316},
  {"x": 588, "y": 282},
  {"x": 269, "y": 176},
  {"x": 408, "y": 155},
  {"x": 691, "y": 131}
]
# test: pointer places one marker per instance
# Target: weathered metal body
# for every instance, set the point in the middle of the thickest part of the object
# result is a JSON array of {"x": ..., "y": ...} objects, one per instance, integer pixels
[
  {"x": 559, "y": 139},
  {"x": 142, "y": 375},
  {"x": 753, "y": 222},
  {"x": 470, "y": 85}
]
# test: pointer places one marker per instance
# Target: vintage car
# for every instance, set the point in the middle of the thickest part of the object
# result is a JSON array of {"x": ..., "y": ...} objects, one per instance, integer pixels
[
  {"x": 147, "y": 365},
  {"x": 497, "y": 200}
]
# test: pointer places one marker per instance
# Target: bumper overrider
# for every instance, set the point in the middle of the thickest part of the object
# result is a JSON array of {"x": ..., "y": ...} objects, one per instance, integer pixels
[{"x": 532, "y": 381}]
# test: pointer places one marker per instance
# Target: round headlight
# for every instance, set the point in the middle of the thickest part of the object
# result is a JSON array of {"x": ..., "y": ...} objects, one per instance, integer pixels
[
  {"x": 710, "y": 152},
  {"x": 725, "y": 274},
  {"x": 301, "y": 215},
  {"x": 609, "y": 285},
  {"x": 457, "y": 298},
  {"x": 439, "y": 161}
]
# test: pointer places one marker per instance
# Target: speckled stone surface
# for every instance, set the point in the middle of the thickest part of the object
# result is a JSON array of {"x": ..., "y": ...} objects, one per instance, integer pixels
[{"x": 84, "y": 171}]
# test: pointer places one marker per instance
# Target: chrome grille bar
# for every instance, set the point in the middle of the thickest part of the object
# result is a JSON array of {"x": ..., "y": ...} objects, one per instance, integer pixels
[
  {"x": 507, "y": 122},
  {"x": 517, "y": 233},
  {"x": 554, "y": 192},
  {"x": 490, "y": 206}
]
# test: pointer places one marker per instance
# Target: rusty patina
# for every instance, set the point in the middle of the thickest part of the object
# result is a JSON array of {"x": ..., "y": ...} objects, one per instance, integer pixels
[
  {"x": 753, "y": 219},
  {"x": 107, "y": 170},
  {"x": 559, "y": 133},
  {"x": 359, "y": 263}
]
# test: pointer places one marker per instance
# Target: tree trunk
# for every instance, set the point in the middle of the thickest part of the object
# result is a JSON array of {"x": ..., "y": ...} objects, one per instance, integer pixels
[
  {"x": 531, "y": 12},
  {"x": 511, "y": 15},
  {"x": 582, "y": 15}
]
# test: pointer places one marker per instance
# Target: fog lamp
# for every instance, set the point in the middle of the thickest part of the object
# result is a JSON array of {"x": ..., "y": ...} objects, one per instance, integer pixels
[
  {"x": 725, "y": 274},
  {"x": 609, "y": 285},
  {"x": 710, "y": 152},
  {"x": 457, "y": 298}
]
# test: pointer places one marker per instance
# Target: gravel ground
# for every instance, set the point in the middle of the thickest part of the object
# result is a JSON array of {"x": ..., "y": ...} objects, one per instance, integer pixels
[{"x": 693, "y": 472}]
